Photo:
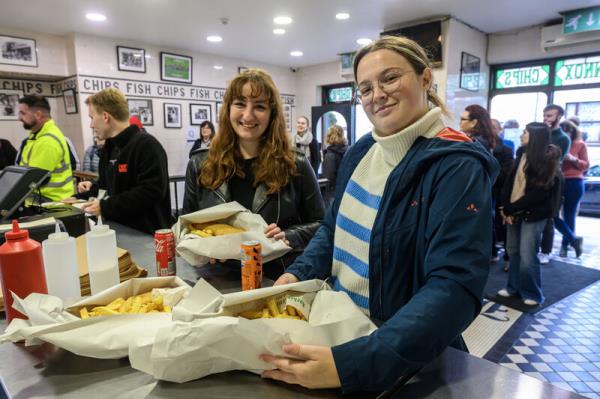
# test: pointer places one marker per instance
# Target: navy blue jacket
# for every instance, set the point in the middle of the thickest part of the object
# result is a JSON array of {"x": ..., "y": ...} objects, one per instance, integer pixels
[{"x": 428, "y": 258}]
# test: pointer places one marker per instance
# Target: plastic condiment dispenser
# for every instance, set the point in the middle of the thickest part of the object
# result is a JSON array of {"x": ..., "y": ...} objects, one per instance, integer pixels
[
  {"x": 103, "y": 262},
  {"x": 60, "y": 262},
  {"x": 21, "y": 268}
]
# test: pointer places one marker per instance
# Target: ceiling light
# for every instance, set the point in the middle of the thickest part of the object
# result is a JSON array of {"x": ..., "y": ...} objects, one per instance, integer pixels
[
  {"x": 342, "y": 15},
  {"x": 214, "y": 39},
  {"x": 296, "y": 53},
  {"x": 282, "y": 20},
  {"x": 363, "y": 41},
  {"x": 94, "y": 16},
  {"x": 279, "y": 31},
  {"x": 218, "y": 67}
]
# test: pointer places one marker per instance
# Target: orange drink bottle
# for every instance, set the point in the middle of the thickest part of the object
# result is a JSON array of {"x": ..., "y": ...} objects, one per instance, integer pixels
[{"x": 251, "y": 258}]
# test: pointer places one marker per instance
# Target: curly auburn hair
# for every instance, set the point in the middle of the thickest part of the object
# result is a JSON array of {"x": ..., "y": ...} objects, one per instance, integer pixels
[{"x": 275, "y": 164}]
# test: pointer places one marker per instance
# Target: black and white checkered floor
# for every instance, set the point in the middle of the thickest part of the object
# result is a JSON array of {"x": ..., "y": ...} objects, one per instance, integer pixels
[{"x": 561, "y": 345}]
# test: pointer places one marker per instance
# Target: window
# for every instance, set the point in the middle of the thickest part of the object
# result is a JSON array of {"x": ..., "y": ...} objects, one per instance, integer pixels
[{"x": 338, "y": 93}]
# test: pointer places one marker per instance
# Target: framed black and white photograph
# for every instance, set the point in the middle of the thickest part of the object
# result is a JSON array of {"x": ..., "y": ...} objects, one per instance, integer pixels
[
  {"x": 131, "y": 59},
  {"x": 218, "y": 109},
  {"x": 175, "y": 68},
  {"x": 242, "y": 69},
  {"x": 172, "y": 115},
  {"x": 70, "y": 101},
  {"x": 199, "y": 113},
  {"x": 143, "y": 109},
  {"x": 18, "y": 51},
  {"x": 469, "y": 72},
  {"x": 9, "y": 104}
]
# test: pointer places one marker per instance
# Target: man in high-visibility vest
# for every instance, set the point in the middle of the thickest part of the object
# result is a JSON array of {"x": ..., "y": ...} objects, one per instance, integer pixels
[{"x": 46, "y": 148}]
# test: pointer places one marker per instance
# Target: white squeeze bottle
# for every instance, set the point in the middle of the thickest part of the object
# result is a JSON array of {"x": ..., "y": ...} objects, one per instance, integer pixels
[
  {"x": 103, "y": 262},
  {"x": 60, "y": 262}
]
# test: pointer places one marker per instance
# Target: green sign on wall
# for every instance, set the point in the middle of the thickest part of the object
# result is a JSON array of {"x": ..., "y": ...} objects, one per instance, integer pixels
[
  {"x": 577, "y": 71},
  {"x": 582, "y": 20},
  {"x": 522, "y": 77}
]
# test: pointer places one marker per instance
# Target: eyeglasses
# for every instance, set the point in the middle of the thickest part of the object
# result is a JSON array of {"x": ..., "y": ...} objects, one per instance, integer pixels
[
  {"x": 465, "y": 119},
  {"x": 388, "y": 83}
]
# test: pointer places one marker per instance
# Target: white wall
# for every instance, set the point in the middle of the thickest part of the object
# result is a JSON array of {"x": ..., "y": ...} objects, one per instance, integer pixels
[
  {"x": 51, "y": 54},
  {"x": 461, "y": 38},
  {"x": 525, "y": 45},
  {"x": 309, "y": 81},
  {"x": 98, "y": 57}
]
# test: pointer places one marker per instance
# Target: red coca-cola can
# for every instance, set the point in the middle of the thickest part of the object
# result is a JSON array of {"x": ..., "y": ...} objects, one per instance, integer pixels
[{"x": 164, "y": 245}]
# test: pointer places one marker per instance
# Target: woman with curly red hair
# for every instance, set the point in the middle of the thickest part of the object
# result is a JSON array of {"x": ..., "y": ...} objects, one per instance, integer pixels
[{"x": 251, "y": 161}]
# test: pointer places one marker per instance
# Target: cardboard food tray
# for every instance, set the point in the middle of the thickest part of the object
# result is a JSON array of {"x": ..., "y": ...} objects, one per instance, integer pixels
[{"x": 104, "y": 337}]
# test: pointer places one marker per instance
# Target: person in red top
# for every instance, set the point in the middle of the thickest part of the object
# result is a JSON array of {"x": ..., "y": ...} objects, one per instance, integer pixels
[{"x": 575, "y": 163}]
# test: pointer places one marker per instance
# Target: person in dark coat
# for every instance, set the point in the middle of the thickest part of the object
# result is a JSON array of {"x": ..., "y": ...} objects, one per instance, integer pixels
[
  {"x": 207, "y": 134},
  {"x": 531, "y": 195},
  {"x": 133, "y": 168},
  {"x": 407, "y": 236},
  {"x": 252, "y": 161},
  {"x": 332, "y": 157}
]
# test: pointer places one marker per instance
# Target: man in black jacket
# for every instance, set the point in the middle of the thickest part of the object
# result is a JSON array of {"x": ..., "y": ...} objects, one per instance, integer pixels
[{"x": 133, "y": 168}]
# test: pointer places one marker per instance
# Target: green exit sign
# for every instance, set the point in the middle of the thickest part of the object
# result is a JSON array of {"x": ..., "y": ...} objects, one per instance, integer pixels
[
  {"x": 582, "y": 20},
  {"x": 522, "y": 77}
]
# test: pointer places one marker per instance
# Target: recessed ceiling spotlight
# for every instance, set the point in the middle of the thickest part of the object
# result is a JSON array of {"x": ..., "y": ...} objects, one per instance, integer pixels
[
  {"x": 296, "y": 53},
  {"x": 214, "y": 39},
  {"x": 96, "y": 17},
  {"x": 279, "y": 31},
  {"x": 342, "y": 15},
  {"x": 218, "y": 67},
  {"x": 282, "y": 20},
  {"x": 363, "y": 41}
]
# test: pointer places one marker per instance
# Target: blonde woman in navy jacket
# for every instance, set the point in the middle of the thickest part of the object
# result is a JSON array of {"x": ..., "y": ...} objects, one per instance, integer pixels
[{"x": 408, "y": 235}]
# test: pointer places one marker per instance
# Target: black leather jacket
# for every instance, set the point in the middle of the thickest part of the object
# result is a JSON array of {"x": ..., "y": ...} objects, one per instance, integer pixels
[{"x": 297, "y": 209}]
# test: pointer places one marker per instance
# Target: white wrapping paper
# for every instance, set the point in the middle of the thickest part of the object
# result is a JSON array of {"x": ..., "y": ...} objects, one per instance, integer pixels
[
  {"x": 197, "y": 250},
  {"x": 105, "y": 337},
  {"x": 204, "y": 339}
]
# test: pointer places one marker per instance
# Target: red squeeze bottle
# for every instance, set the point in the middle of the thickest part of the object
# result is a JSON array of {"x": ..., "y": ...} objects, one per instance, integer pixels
[{"x": 21, "y": 268}]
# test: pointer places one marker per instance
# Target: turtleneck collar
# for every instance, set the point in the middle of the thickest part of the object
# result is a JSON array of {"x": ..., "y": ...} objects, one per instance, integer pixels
[{"x": 395, "y": 146}]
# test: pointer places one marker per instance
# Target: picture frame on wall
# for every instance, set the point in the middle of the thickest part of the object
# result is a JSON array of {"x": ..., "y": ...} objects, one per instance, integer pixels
[
  {"x": 131, "y": 59},
  {"x": 18, "y": 51},
  {"x": 9, "y": 104},
  {"x": 172, "y": 114},
  {"x": 242, "y": 69},
  {"x": 143, "y": 109},
  {"x": 200, "y": 113},
  {"x": 70, "y": 101},
  {"x": 469, "y": 72},
  {"x": 175, "y": 68}
]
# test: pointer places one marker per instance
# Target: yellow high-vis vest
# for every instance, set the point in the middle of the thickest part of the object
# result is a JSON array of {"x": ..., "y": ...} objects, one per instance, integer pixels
[{"x": 48, "y": 149}]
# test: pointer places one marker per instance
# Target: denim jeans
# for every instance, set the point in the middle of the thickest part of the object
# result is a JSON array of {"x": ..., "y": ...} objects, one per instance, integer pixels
[
  {"x": 524, "y": 276},
  {"x": 566, "y": 226}
]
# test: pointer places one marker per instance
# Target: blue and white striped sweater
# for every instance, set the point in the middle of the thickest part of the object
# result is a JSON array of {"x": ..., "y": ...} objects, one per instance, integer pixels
[{"x": 360, "y": 204}]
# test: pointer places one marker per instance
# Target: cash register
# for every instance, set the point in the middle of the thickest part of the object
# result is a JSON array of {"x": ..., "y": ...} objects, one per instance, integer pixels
[{"x": 20, "y": 199}]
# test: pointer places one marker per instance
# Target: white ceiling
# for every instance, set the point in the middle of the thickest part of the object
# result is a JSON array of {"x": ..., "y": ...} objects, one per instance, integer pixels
[{"x": 184, "y": 24}]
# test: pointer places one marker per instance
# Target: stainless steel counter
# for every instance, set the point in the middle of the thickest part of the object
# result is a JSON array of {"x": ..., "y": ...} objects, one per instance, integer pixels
[{"x": 45, "y": 371}]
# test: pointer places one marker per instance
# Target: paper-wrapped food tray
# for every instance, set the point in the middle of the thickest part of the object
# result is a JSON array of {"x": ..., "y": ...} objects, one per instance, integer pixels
[
  {"x": 105, "y": 337},
  {"x": 197, "y": 250},
  {"x": 206, "y": 339}
]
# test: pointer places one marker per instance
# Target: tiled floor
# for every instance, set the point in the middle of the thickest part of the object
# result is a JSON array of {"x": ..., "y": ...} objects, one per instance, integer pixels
[{"x": 562, "y": 344}]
